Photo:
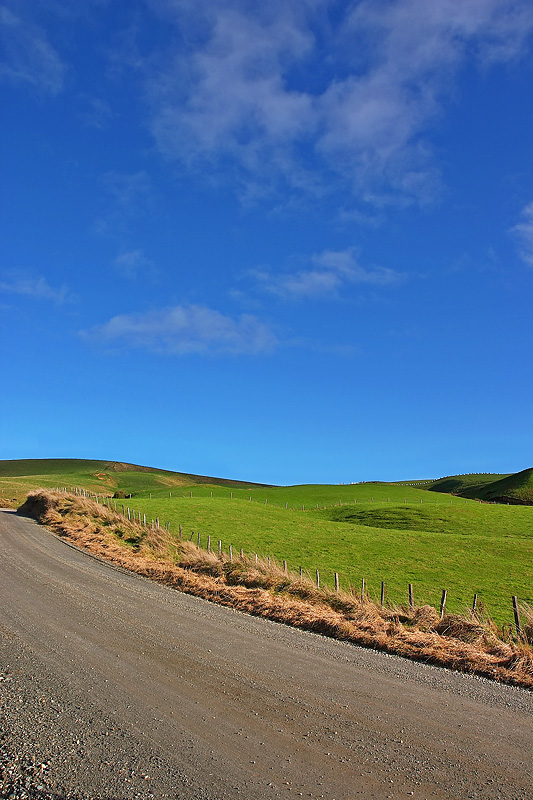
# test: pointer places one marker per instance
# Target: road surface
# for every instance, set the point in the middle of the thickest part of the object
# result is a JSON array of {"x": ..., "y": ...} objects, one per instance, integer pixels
[{"x": 116, "y": 687}]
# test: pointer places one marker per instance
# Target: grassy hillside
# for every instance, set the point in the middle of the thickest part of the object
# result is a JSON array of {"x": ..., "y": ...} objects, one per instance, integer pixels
[
  {"x": 456, "y": 484},
  {"x": 517, "y": 488},
  {"x": 397, "y": 533},
  {"x": 18, "y": 477},
  {"x": 514, "y": 488}
]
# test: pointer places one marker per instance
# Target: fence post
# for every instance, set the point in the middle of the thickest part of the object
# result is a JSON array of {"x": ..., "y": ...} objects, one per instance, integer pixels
[
  {"x": 517, "y": 617},
  {"x": 382, "y": 593},
  {"x": 362, "y": 590},
  {"x": 230, "y": 553},
  {"x": 443, "y": 602},
  {"x": 285, "y": 567},
  {"x": 241, "y": 554},
  {"x": 474, "y": 606},
  {"x": 198, "y": 540},
  {"x": 219, "y": 547},
  {"x": 336, "y": 581},
  {"x": 301, "y": 573},
  {"x": 411, "y": 600},
  {"x": 208, "y": 544},
  {"x": 317, "y": 579},
  {"x": 180, "y": 530}
]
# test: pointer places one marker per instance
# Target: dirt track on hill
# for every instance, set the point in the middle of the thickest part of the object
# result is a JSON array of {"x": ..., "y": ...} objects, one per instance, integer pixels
[{"x": 116, "y": 687}]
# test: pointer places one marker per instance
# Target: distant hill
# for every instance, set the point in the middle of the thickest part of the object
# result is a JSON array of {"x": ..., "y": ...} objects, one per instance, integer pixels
[
  {"x": 102, "y": 475},
  {"x": 516, "y": 488}
]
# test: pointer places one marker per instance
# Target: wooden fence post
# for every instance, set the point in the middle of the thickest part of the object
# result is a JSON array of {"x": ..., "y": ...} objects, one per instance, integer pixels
[
  {"x": 517, "y": 617},
  {"x": 208, "y": 544},
  {"x": 411, "y": 599},
  {"x": 382, "y": 598},
  {"x": 336, "y": 581},
  {"x": 443, "y": 602},
  {"x": 474, "y": 606},
  {"x": 317, "y": 579},
  {"x": 219, "y": 547},
  {"x": 301, "y": 573},
  {"x": 180, "y": 530},
  {"x": 198, "y": 540},
  {"x": 230, "y": 553},
  {"x": 285, "y": 567},
  {"x": 362, "y": 590}
]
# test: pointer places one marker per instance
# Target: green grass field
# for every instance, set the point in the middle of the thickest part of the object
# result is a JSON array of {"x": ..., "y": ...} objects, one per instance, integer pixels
[{"x": 393, "y": 532}]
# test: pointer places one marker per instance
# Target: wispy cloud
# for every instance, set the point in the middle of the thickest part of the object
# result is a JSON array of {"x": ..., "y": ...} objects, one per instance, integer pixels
[
  {"x": 37, "y": 288},
  {"x": 127, "y": 196},
  {"x": 524, "y": 233},
  {"x": 327, "y": 274},
  {"x": 30, "y": 58},
  {"x": 133, "y": 263},
  {"x": 96, "y": 112},
  {"x": 255, "y": 93},
  {"x": 184, "y": 330}
]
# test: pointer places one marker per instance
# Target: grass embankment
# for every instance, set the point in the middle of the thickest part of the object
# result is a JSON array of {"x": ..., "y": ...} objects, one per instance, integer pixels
[{"x": 471, "y": 645}]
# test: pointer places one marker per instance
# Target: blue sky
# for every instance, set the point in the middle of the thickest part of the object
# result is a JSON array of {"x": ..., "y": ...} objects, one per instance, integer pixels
[{"x": 286, "y": 242}]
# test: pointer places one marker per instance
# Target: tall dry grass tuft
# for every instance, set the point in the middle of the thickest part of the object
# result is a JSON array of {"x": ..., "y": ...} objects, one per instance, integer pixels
[
  {"x": 526, "y": 612},
  {"x": 261, "y": 587}
]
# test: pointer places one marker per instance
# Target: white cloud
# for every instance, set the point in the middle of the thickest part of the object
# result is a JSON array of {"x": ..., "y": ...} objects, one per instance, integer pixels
[
  {"x": 524, "y": 232},
  {"x": 280, "y": 92},
  {"x": 38, "y": 288},
  {"x": 183, "y": 330},
  {"x": 227, "y": 98},
  {"x": 328, "y": 273},
  {"x": 30, "y": 58}
]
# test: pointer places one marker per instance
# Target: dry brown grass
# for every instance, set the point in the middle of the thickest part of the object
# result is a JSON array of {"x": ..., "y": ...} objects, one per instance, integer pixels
[{"x": 262, "y": 588}]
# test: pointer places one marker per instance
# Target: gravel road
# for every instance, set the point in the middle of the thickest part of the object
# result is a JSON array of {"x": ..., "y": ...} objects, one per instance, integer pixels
[{"x": 115, "y": 687}]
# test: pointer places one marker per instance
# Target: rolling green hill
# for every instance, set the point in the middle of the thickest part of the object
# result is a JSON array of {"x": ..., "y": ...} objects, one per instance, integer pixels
[
  {"x": 18, "y": 477},
  {"x": 516, "y": 488}
]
